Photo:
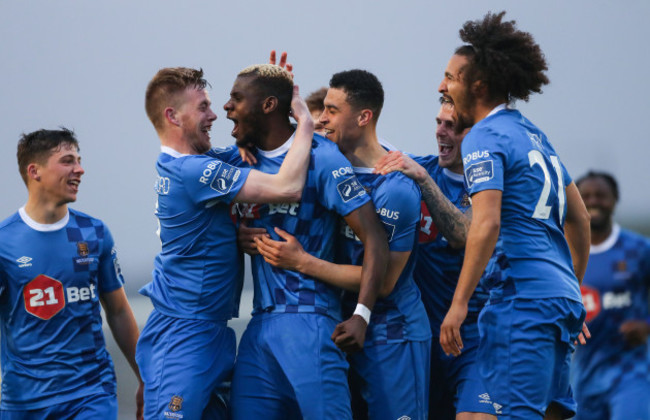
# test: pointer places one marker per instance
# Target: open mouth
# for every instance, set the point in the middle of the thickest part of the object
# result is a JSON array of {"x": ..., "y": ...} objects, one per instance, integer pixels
[
  {"x": 444, "y": 149},
  {"x": 206, "y": 130},
  {"x": 74, "y": 183},
  {"x": 235, "y": 127}
]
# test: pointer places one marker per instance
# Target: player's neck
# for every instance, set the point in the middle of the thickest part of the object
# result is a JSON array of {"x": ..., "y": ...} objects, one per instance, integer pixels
[
  {"x": 363, "y": 152},
  {"x": 483, "y": 108},
  {"x": 276, "y": 134},
  {"x": 600, "y": 235},
  {"x": 43, "y": 211}
]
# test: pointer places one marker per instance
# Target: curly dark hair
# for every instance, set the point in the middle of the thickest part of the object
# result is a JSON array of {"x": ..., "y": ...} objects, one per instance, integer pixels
[{"x": 508, "y": 60}]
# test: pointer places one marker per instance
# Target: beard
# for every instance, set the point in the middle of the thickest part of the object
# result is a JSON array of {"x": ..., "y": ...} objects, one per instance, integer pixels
[
  {"x": 463, "y": 119},
  {"x": 255, "y": 131}
]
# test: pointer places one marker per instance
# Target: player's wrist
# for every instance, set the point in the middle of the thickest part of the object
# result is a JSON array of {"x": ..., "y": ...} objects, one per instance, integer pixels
[{"x": 363, "y": 311}]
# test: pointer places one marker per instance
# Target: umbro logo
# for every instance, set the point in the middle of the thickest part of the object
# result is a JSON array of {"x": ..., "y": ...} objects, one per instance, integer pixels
[{"x": 24, "y": 262}]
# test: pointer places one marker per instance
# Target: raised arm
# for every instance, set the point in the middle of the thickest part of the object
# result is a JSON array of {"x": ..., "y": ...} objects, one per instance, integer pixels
[
  {"x": 481, "y": 240},
  {"x": 451, "y": 222},
  {"x": 119, "y": 317},
  {"x": 577, "y": 230},
  {"x": 285, "y": 186}
]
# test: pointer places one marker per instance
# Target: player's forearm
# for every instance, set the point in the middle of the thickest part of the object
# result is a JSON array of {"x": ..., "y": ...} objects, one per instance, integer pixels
[
  {"x": 125, "y": 332},
  {"x": 577, "y": 231},
  {"x": 346, "y": 277},
  {"x": 293, "y": 171},
  {"x": 449, "y": 220},
  {"x": 480, "y": 246},
  {"x": 375, "y": 264}
]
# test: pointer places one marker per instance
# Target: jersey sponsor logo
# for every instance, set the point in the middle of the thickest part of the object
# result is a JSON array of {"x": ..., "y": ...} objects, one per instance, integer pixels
[
  {"x": 591, "y": 301},
  {"x": 344, "y": 171},
  {"x": 162, "y": 185},
  {"x": 245, "y": 211},
  {"x": 613, "y": 300},
  {"x": 24, "y": 262},
  {"x": 479, "y": 172},
  {"x": 45, "y": 297},
  {"x": 347, "y": 232},
  {"x": 428, "y": 229},
  {"x": 388, "y": 214},
  {"x": 284, "y": 208},
  {"x": 480, "y": 154},
  {"x": 350, "y": 188}
]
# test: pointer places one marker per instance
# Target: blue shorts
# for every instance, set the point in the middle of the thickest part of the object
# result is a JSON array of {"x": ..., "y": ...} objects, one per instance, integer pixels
[
  {"x": 393, "y": 379},
  {"x": 628, "y": 400},
  {"x": 289, "y": 368},
  {"x": 525, "y": 355},
  {"x": 185, "y": 365},
  {"x": 456, "y": 385},
  {"x": 92, "y": 407}
]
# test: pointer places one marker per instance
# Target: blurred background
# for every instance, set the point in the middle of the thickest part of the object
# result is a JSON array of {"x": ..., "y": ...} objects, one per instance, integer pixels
[{"x": 85, "y": 65}]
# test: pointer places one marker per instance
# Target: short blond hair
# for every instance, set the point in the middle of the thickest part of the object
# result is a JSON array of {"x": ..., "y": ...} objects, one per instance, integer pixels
[{"x": 271, "y": 80}]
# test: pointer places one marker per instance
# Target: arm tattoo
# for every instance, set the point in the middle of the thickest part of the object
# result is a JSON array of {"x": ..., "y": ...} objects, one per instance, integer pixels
[{"x": 449, "y": 220}]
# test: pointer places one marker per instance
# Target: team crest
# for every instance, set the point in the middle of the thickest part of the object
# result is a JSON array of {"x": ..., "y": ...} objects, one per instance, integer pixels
[
  {"x": 82, "y": 249},
  {"x": 465, "y": 201},
  {"x": 176, "y": 404},
  {"x": 621, "y": 266}
]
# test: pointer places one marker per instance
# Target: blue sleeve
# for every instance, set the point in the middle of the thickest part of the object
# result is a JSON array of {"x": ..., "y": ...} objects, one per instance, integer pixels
[
  {"x": 229, "y": 155},
  {"x": 339, "y": 188},
  {"x": 484, "y": 161},
  {"x": 209, "y": 179},
  {"x": 398, "y": 208},
  {"x": 109, "y": 273}
]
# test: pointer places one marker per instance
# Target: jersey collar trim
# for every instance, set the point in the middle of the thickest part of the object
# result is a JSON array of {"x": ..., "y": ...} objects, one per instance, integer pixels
[
  {"x": 498, "y": 108},
  {"x": 40, "y": 226},
  {"x": 171, "y": 152},
  {"x": 362, "y": 170},
  {"x": 279, "y": 151},
  {"x": 609, "y": 242},
  {"x": 453, "y": 175}
]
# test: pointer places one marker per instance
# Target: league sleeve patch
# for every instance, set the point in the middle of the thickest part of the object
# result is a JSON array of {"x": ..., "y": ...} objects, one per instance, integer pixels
[
  {"x": 223, "y": 176},
  {"x": 479, "y": 172},
  {"x": 390, "y": 230},
  {"x": 350, "y": 188}
]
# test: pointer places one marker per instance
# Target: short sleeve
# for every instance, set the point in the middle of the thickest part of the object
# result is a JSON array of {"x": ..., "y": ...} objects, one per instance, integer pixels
[
  {"x": 209, "y": 179},
  {"x": 484, "y": 161},
  {"x": 339, "y": 188},
  {"x": 399, "y": 211},
  {"x": 110, "y": 274},
  {"x": 229, "y": 155}
]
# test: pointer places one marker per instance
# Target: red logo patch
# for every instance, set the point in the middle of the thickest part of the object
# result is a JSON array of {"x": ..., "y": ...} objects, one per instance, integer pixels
[
  {"x": 428, "y": 229},
  {"x": 44, "y": 297},
  {"x": 591, "y": 300}
]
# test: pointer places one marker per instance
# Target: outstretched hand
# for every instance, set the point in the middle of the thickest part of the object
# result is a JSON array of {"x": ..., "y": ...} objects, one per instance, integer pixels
[
  {"x": 283, "y": 61},
  {"x": 398, "y": 161},
  {"x": 350, "y": 335}
]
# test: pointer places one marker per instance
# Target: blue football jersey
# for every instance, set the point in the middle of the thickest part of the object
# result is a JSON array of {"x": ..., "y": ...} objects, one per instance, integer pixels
[
  {"x": 331, "y": 190},
  {"x": 614, "y": 290},
  {"x": 506, "y": 152},
  {"x": 51, "y": 277},
  {"x": 438, "y": 264},
  {"x": 400, "y": 316},
  {"x": 196, "y": 273}
]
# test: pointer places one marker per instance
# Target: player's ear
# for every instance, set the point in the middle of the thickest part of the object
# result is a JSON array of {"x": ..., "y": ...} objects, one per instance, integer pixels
[
  {"x": 33, "y": 171},
  {"x": 365, "y": 117},
  {"x": 270, "y": 104},
  {"x": 171, "y": 116}
]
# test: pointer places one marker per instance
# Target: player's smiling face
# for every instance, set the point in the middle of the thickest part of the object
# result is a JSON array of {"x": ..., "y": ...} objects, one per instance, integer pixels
[
  {"x": 599, "y": 200},
  {"x": 244, "y": 109},
  {"x": 454, "y": 89},
  {"x": 195, "y": 118},
  {"x": 339, "y": 119},
  {"x": 449, "y": 155},
  {"x": 58, "y": 180}
]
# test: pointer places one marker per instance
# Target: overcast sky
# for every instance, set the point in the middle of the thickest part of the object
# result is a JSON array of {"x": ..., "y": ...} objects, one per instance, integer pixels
[{"x": 85, "y": 65}]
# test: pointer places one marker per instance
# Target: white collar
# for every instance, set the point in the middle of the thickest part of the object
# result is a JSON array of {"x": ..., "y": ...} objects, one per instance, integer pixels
[
  {"x": 608, "y": 243},
  {"x": 171, "y": 152},
  {"x": 279, "y": 151},
  {"x": 496, "y": 109},
  {"x": 40, "y": 226},
  {"x": 453, "y": 175}
]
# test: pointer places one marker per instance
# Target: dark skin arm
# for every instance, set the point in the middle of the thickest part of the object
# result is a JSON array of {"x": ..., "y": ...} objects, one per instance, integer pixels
[{"x": 350, "y": 334}]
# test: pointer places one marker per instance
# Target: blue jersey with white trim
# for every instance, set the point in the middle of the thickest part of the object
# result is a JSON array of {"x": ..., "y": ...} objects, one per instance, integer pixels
[
  {"x": 400, "y": 316},
  {"x": 196, "y": 273},
  {"x": 331, "y": 190},
  {"x": 614, "y": 290},
  {"x": 438, "y": 264},
  {"x": 506, "y": 152},
  {"x": 51, "y": 278}
]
